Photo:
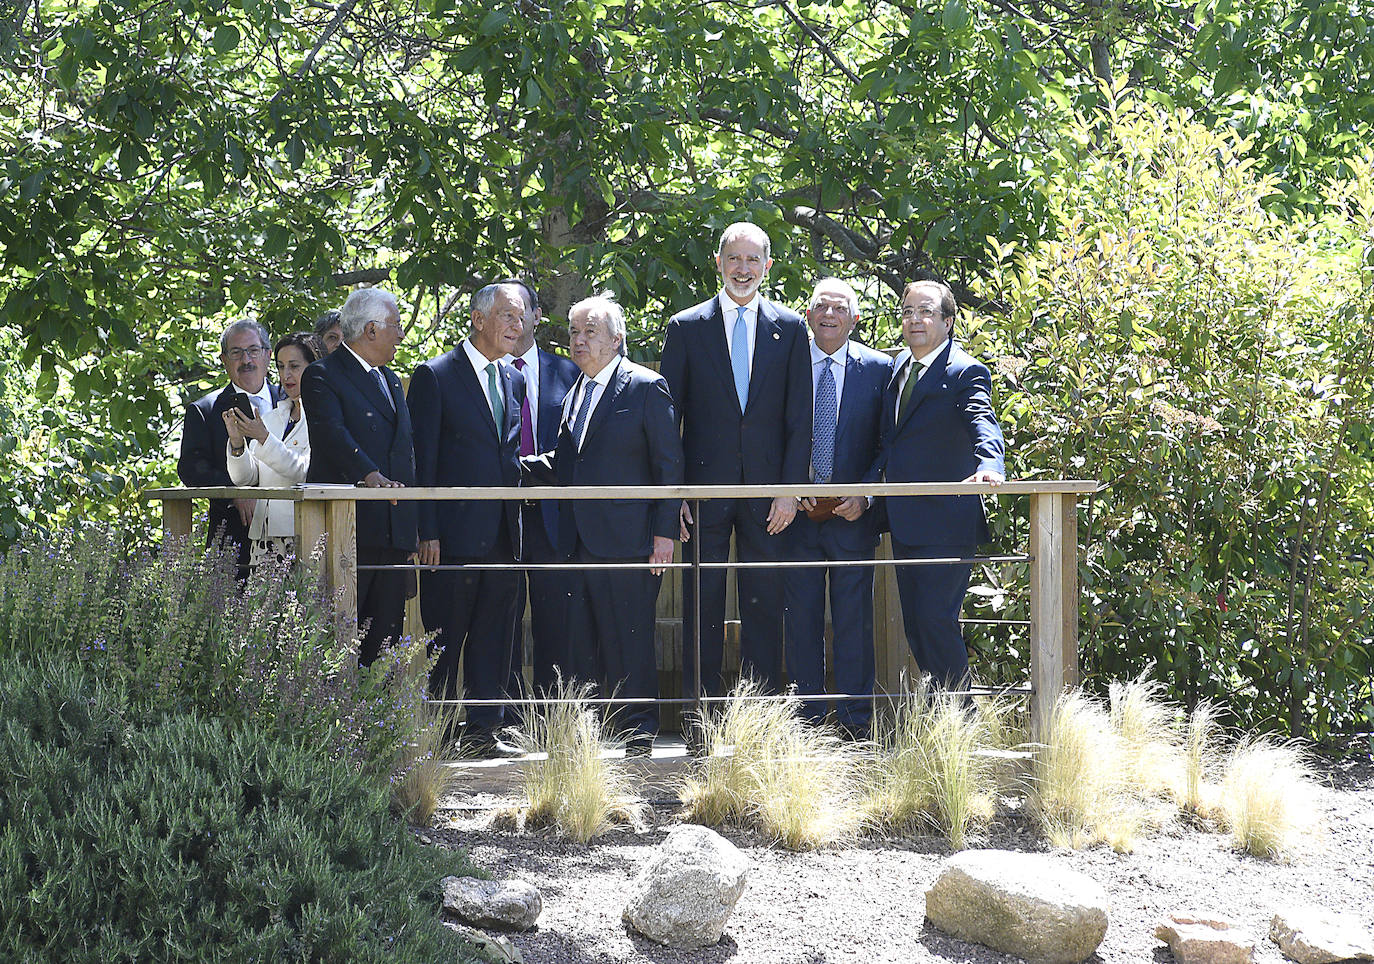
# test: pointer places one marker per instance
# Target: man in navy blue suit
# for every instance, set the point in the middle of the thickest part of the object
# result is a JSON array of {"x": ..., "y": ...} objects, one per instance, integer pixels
[
  {"x": 244, "y": 353},
  {"x": 548, "y": 378},
  {"x": 739, "y": 369},
  {"x": 617, "y": 429},
  {"x": 360, "y": 434},
  {"x": 466, "y": 406},
  {"x": 938, "y": 426},
  {"x": 849, "y": 380}
]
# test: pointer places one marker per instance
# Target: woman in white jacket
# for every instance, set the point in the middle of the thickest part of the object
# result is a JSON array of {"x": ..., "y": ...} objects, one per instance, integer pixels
[{"x": 274, "y": 451}]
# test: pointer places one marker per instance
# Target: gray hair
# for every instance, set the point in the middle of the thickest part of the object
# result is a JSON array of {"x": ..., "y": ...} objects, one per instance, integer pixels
[
  {"x": 844, "y": 288},
  {"x": 326, "y": 321},
  {"x": 485, "y": 297},
  {"x": 362, "y": 306},
  {"x": 745, "y": 229},
  {"x": 244, "y": 324},
  {"x": 605, "y": 305}
]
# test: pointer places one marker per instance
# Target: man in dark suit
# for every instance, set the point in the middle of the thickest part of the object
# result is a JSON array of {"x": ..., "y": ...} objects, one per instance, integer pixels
[
  {"x": 938, "y": 426},
  {"x": 738, "y": 366},
  {"x": 849, "y": 380},
  {"x": 617, "y": 429},
  {"x": 467, "y": 433},
  {"x": 548, "y": 378},
  {"x": 360, "y": 434},
  {"x": 204, "y": 442}
]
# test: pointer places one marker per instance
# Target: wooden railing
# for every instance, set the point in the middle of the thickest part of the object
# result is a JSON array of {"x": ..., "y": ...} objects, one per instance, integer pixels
[{"x": 1052, "y": 551}]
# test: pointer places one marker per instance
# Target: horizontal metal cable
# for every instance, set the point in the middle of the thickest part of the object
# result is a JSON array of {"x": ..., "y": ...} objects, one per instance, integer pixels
[
  {"x": 780, "y": 564},
  {"x": 687, "y": 700}
]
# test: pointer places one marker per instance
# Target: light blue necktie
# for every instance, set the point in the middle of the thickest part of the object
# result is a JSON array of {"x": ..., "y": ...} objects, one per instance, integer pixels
[
  {"x": 823, "y": 425},
  {"x": 739, "y": 359},
  {"x": 580, "y": 422},
  {"x": 498, "y": 410}
]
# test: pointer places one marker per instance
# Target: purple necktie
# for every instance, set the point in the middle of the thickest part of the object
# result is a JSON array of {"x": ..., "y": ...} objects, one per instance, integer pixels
[{"x": 526, "y": 422}]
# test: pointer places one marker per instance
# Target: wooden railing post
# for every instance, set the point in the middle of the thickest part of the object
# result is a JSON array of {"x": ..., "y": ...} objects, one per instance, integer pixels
[
  {"x": 176, "y": 517},
  {"x": 336, "y": 521},
  {"x": 1053, "y": 600},
  {"x": 343, "y": 555}
]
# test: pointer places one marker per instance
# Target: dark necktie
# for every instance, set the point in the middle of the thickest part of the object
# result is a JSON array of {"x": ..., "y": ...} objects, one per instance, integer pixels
[
  {"x": 381, "y": 383},
  {"x": 580, "y": 422},
  {"x": 916, "y": 370},
  {"x": 823, "y": 425},
  {"x": 526, "y": 420}
]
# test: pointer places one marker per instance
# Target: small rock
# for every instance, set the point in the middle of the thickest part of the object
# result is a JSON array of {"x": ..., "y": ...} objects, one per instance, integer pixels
[
  {"x": 1029, "y": 905},
  {"x": 491, "y": 946},
  {"x": 1312, "y": 935},
  {"x": 504, "y": 904},
  {"x": 686, "y": 892},
  {"x": 1205, "y": 939}
]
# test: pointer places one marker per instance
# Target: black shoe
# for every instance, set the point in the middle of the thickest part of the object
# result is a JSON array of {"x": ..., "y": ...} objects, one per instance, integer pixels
[{"x": 640, "y": 745}]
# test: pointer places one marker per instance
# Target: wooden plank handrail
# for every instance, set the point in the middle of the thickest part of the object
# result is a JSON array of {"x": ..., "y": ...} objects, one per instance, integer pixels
[
  {"x": 352, "y": 493},
  {"x": 330, "y": 511}
]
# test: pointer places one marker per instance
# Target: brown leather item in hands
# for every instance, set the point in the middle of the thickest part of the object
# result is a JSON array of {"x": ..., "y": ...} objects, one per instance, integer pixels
[{"x": 824, "y": 509}]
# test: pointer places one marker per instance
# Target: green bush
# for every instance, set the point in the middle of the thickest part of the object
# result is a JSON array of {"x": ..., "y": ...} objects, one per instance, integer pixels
[
  {"x": 1213, "y": 364},
  {"x": 190, "y": 840},
  {"x": 174, "y": 632}
]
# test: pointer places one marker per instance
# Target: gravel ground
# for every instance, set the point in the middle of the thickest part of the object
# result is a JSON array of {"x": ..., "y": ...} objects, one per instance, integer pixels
[{"x": 865, "y": 901}]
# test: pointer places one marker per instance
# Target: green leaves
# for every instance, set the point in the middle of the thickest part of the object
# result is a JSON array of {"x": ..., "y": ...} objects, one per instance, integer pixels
[{"x": 225, "y": 39}]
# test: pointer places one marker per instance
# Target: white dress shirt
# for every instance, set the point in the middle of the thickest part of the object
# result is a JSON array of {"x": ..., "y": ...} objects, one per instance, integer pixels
[
  {"x": 531, "y": 374},
  {"x": 479, "y": 364},
  {"x": 263, "y": 395},
  {"x": 597, "y": 386},
  {"x": 729, "y": 312}
]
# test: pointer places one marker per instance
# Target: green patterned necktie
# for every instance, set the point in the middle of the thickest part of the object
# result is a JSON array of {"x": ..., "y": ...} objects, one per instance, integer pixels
[
  {"x": 498, "y": 411},
  {"x": 917, "y": 369}
]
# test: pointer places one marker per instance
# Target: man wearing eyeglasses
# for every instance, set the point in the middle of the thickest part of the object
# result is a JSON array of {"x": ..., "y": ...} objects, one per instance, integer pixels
[
  {"x": 360, "y": 434},
  {"x": 244, "y": 354},
  {"x": 938, "y": 426}
]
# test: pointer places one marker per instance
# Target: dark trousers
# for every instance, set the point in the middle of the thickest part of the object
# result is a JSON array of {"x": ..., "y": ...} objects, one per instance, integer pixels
[
  {"x": 611, "y": 621},
  {"x": 932, "y": 598},
  {"x": 381, "y": 599},
  {"x": 851, "y": 616},
  {"x": 472, "y": 613},
  {"x": 547, "y": 593},
  {"x": 760, "y": 596}
]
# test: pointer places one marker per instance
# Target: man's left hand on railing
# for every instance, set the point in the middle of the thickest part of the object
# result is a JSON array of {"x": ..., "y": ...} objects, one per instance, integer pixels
[
  {"x": 662, "y": 554},
  {"x": 376, "y": 480}
]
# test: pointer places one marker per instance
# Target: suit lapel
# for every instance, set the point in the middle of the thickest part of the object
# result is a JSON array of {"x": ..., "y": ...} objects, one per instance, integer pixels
[
  {"x": 717, "y": 348},
  {"x": 606, "y": 404},
  {"x": 853, "y": 372},
  {"x": 366, "y": 384},
  {"x": 511, "y": 405},
  {"x": 467, "y": 377},
  {"x": 767, "y": 350}
]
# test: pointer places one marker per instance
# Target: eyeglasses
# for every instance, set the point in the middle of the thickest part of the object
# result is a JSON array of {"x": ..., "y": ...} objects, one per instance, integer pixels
[
  {"x": 400, "y": 328},
  {"x": 239, "y": 354},
  {"x": 926, "y": 313}
]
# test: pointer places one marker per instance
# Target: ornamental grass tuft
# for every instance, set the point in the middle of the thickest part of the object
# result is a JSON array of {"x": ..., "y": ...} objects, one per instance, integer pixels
[
  {"x": 1268, "y": 796},
  {"x": 769, "y": 770},
  {"x": 571, "y": 780},
  {"x": 934, "y": 768}
]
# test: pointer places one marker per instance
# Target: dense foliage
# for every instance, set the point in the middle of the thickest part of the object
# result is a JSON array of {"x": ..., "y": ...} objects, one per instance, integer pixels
[
  {"x": 1186, "y": 325},
  {"x": 1212, "y": 363},
  {"x": 191, "y": 840},
  {"x": 174, "y": 634}
]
